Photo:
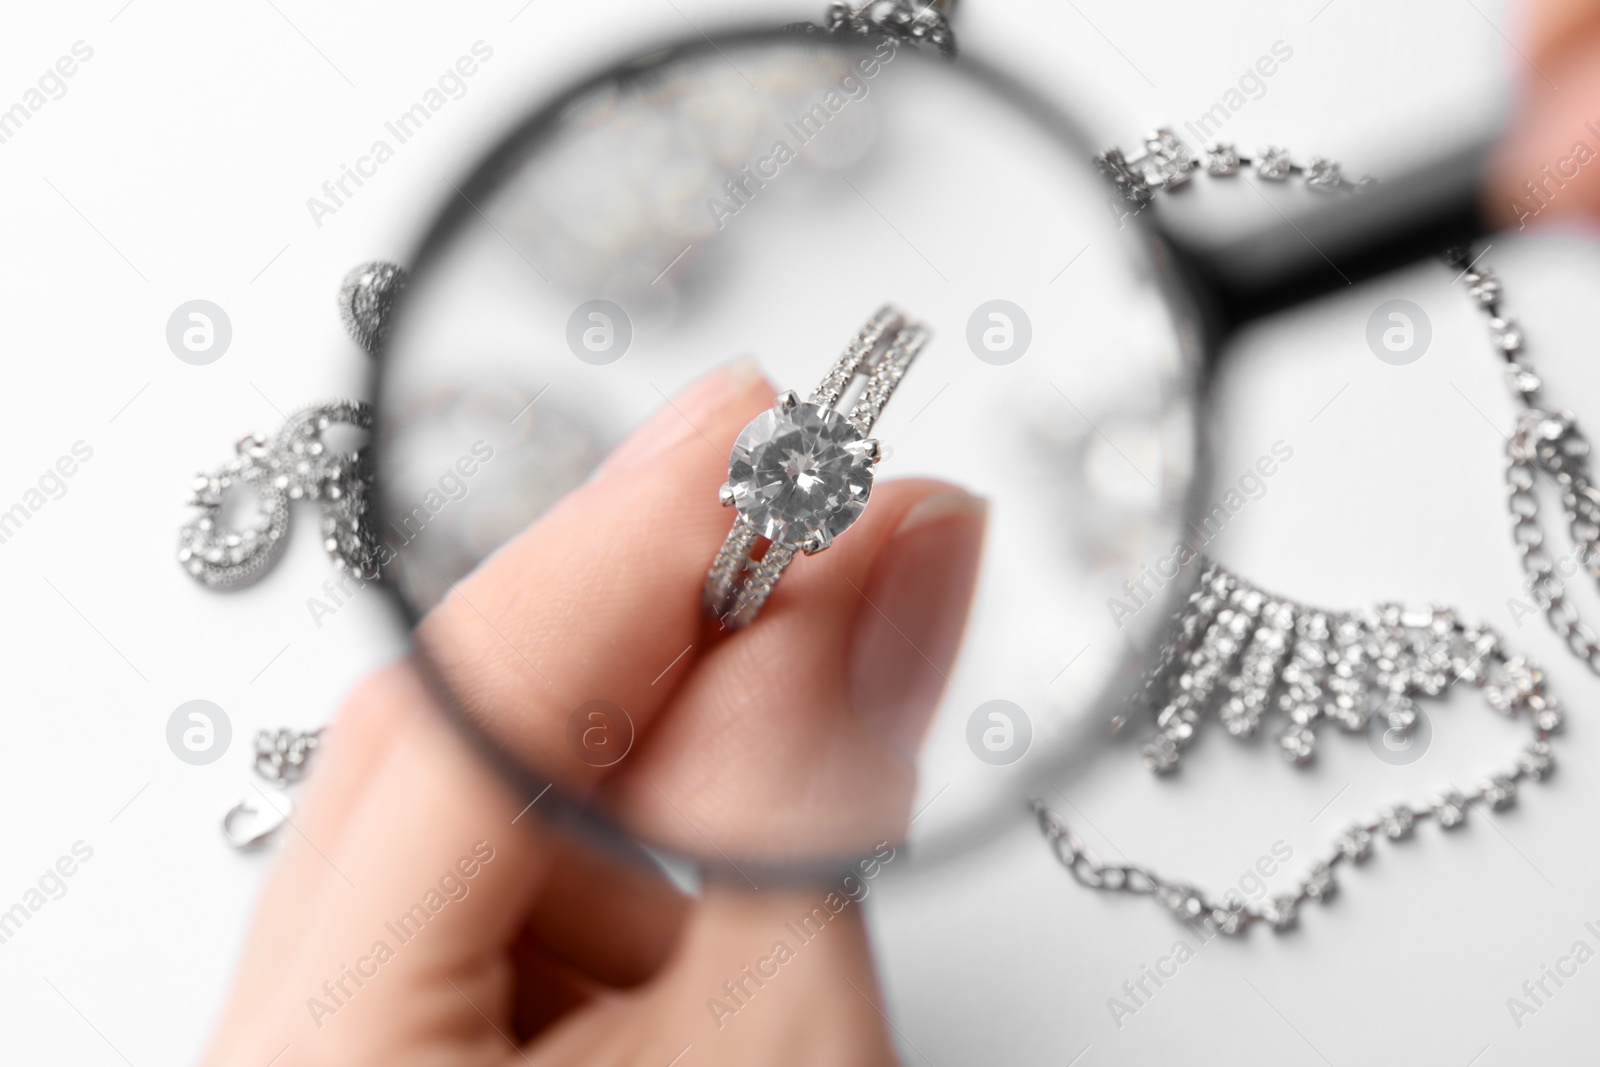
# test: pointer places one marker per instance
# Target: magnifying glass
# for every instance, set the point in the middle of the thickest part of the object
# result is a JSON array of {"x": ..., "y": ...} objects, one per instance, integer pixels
[{"x": 760, "y": 193}]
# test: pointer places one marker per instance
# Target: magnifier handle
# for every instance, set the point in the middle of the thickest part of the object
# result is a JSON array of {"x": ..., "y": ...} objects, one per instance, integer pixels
[{"x": 1333, "y": 243}]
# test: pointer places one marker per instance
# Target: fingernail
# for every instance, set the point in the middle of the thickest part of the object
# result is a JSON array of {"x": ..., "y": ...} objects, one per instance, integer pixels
[
  {"x": 686, "y": 414},
  {"x": 907, "y": 633}
]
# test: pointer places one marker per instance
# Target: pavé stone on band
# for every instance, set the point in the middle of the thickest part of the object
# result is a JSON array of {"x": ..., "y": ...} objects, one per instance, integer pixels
[{"x": 800, "y": 472}]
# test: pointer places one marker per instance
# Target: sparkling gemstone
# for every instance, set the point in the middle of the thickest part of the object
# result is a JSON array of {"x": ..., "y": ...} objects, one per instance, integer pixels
[
  {"x": 1173, "y": 160},
  {"x": 1511, "y": 684},
  {"x": 1281, "y": 911},
  {"x": 1507, "y": 335},
  {"x": 1320, "y": 884},
  {"x": 1349, "y": 714},
  {"x": 1183, "y": 901},
  {"x": 1547, "y": 717},
  {"x": 1470, "y": 651},
  {"x": 1323, "y": 174},
  {"x": 1500, "y": 791},
  {"x": 1298, "y": 742},
  {"x": 1450, "y": 809},
  {"x": 222, "y": 557},
  {"x": 1165, "y": 143},
  {"x": 1523, "y": 380},
  {"x": 800, "y": 474},
  {"x": 1431, "y": 671},
  {"x": 1161, "y": 754},
  {"x": 367, "y": 299},
  {"x": 1301, "y": 712},
  {"x": 1401, "y": 713},
  {"x": 1483, "y": 287},
  {"x": 1240, "y": 719},
  {"x": 1230, "y": 921},
  {"x": 1222, "y": 158},
  {"x": 1355, "y": 844},
  {"x": 1536, "y": 761},
  {"x": 1128, "y": 180},
  {"x": 1178, "y": 719},
  {"x": 1274, "y": 164},
  {"x": 1397, "y": 821}
]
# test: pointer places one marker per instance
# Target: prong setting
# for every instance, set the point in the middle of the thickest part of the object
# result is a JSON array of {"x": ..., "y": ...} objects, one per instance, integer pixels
[
  {"x": 725, "y": 495},
  {"x": 816, "y": 542},
  {"x": 787, "y": 400}
]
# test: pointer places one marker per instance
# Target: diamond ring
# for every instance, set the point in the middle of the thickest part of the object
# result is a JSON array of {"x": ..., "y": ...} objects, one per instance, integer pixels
[{"x": 801, "y": 471}]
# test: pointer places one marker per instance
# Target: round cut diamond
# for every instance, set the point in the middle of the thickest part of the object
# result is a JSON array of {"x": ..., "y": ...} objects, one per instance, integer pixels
[{"x": 800, "y": 475}]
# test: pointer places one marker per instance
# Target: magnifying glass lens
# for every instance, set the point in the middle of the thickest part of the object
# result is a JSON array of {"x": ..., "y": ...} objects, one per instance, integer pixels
[{"x": 761, "y": 196}]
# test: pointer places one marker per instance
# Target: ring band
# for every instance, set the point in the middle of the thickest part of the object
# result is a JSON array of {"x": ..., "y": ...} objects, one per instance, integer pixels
[{"x": 800, "y": 473}]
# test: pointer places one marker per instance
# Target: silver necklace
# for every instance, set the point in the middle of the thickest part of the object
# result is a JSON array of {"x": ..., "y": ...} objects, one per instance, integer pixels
[
  {"x": 1549, "y": 444},
  {"x": 280, "y": 758},
  {"x": 1237, "y": 653},
  {"x": 1168, "y": 163}
]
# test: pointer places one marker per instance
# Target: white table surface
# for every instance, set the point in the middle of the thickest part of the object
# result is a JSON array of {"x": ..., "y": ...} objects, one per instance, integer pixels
[{"x": 177, "y": 164}]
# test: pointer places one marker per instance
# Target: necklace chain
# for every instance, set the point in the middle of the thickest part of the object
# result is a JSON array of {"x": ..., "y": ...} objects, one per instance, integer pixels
[
  {"x": 1239, "y": 653},
  {"x": 1543, "y": 444}
]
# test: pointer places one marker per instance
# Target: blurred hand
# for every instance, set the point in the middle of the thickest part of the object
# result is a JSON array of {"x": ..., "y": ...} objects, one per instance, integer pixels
[
  {"x": 1548, "y": 163},
  {"x": 419, "y": 916}
]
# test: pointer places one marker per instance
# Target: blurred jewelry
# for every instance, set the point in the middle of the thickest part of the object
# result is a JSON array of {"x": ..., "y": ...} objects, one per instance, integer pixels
[
  {"x": 296, "y": 464},
  {"x": 905, "y": 20},
  {"x": 1241, "y": 654},
  {"x": 1237, "y": 653},
  {"x": 280, "y": 758},
  {"x": 800, "y": 472},
  {"x": 367, "y": 299},
  {"x": 1543, "y": 442},
  {"x": 1549, "y": 444},
  {"x": 1168, "y": 163}
]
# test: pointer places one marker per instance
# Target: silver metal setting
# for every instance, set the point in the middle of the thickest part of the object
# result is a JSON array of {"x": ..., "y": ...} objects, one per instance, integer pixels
[{"x": 749, "y": 565}]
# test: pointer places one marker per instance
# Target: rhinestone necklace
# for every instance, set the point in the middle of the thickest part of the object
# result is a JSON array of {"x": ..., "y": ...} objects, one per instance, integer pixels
[
  {"x": 1549, "y": 444},
  {"x": 1238, "y": 653}
]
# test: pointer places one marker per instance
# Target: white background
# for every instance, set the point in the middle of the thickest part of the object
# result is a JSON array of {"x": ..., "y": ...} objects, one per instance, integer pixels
[{"x": 177, "y": 166}]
